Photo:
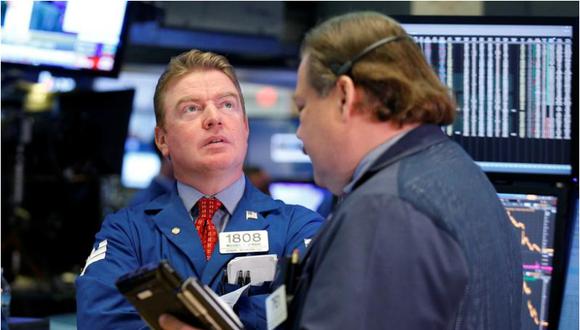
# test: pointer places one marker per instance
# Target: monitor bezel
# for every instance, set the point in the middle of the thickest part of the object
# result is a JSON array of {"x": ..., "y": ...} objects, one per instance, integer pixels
[
  {"x": 521, "y": 20},
  {"x": 562, "y": 192},
  {"x": 571, "y": 275},
  {"x": 63, "y": 71}
]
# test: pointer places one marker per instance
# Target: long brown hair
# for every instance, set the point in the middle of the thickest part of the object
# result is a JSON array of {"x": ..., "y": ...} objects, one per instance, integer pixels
[{"x": 399, "y": 83}]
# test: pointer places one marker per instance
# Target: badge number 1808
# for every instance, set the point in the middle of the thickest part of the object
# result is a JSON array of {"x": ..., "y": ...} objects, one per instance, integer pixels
[{"x": 243, "y": 241}]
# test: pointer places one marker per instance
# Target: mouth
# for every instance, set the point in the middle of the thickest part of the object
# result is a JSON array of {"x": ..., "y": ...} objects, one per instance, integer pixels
[{"x": 215, "y": 140}]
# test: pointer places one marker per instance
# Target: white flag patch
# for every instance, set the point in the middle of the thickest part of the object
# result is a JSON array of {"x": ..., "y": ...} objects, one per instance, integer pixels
[{"x": 97, "y": 254}]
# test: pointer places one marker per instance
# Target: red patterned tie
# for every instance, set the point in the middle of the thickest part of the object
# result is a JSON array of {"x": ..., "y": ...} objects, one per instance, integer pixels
[{"x": 204, "y": 225}]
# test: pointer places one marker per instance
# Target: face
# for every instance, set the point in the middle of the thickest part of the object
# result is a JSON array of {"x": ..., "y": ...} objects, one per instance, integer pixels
[
  {"x": 321, "y": 130},
  {"x": 205, "y": 130}
]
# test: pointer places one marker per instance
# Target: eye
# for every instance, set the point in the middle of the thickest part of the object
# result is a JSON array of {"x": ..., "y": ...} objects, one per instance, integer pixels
[
  {"x": 300, "y": 104},
  {"x": 228, "y": 105},
  {"x": 191, "y": 108},
  {"x": 299, "y": 108}
]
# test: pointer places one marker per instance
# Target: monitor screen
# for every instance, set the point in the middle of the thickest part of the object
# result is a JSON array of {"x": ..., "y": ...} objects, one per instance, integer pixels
[
  {"x": 306, "y": 194},
  {"x": 64, "y": 36},
  {"x": 274, "y": 147},
  {"x": 534, "y": 216},
  {"x": 139, "y": 168},
  {"x": 539, "y": 214},
  {"x": 515, "y": 84}
]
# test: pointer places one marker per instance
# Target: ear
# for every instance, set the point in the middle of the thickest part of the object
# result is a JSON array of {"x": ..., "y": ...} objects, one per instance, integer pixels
[
  {"x": 347, "y": 96},
  {"x": 161, "y": 141},
  {"x": 246, "y": 126}
]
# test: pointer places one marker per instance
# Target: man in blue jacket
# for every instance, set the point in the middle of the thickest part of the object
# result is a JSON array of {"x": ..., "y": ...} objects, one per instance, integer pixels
[{"x": 202, "y": 128}]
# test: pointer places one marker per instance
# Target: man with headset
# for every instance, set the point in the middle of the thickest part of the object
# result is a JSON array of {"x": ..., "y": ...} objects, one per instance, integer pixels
[{"x": 419, "y": 239}]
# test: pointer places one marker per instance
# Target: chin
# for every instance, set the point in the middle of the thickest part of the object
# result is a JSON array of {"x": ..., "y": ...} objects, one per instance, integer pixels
[
  {"x": 223, "y": 165},
  {"x": 218, "y": 167},
  {"x": 327, "y": 182},
  {"x": 319, "y": 181}
]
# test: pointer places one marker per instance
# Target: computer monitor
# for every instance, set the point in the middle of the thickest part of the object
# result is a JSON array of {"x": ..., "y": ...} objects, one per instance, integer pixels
[
  {"x": 538, "y": 215},
  {"x": 94, "y": 130},
  {"x": 65, "y": 37},
  {"x": 516, "y": 85}
]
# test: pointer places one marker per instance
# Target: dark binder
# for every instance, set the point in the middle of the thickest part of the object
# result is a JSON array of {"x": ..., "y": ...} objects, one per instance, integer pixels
[{"x": 158, "y": 289}]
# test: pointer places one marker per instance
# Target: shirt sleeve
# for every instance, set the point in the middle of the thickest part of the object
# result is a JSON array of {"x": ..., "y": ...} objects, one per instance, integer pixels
[
  {"x": 386, "y": 267},
  {"x": 99, "y": 304}
]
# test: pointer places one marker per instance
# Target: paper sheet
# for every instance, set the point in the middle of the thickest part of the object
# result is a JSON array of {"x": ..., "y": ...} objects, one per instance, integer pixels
[
  {"x": 262, "y": 268},
  {"x": 232, "y": 298}
]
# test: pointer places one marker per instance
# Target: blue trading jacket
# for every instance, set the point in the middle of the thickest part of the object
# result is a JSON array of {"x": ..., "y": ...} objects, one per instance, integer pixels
[{"x": 140, "y": 235}]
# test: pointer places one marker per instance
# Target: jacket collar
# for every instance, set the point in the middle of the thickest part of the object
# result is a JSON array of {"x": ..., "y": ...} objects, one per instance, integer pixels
[
  {"x": 416, "y": 140},
  {"x": 168, "y": 213}
]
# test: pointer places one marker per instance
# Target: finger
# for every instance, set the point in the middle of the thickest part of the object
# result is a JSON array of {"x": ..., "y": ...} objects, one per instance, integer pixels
[{"x": 169, "y": 322}]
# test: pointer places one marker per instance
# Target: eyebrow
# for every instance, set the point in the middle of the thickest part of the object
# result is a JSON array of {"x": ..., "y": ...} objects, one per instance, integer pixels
[
  {"x": 186, "y": 99},
  {"x": 229, "y": 94},
  {"x": 195, "y": 99}
]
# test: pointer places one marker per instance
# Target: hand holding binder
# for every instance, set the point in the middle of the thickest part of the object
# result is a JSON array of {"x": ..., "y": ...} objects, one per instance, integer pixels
[{"x": 168, "y": 322}]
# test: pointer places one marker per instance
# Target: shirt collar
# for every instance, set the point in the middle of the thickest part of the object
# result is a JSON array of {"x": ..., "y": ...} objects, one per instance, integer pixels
[
  {"x": 229, "y": 197},
  {"x": 370, "y": 158}
]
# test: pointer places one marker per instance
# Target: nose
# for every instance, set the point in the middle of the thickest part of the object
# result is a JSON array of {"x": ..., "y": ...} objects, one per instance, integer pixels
[
  {"x": 299, "y": 136},
  {"x": 212, "y": 117},
  {"x": 299, "y": 132}
]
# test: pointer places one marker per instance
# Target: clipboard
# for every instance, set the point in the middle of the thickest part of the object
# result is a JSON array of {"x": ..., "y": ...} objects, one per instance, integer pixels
[{"x": 158, "y": 289}]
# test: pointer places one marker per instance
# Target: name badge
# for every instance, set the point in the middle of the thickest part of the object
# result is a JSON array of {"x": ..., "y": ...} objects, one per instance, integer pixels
[{"x": 243, "y": 241}]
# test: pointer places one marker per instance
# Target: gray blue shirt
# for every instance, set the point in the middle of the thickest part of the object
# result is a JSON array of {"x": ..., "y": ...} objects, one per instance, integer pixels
[
  {"x": 370, "y": 158},
  {"x": 229, "y": 197}
]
